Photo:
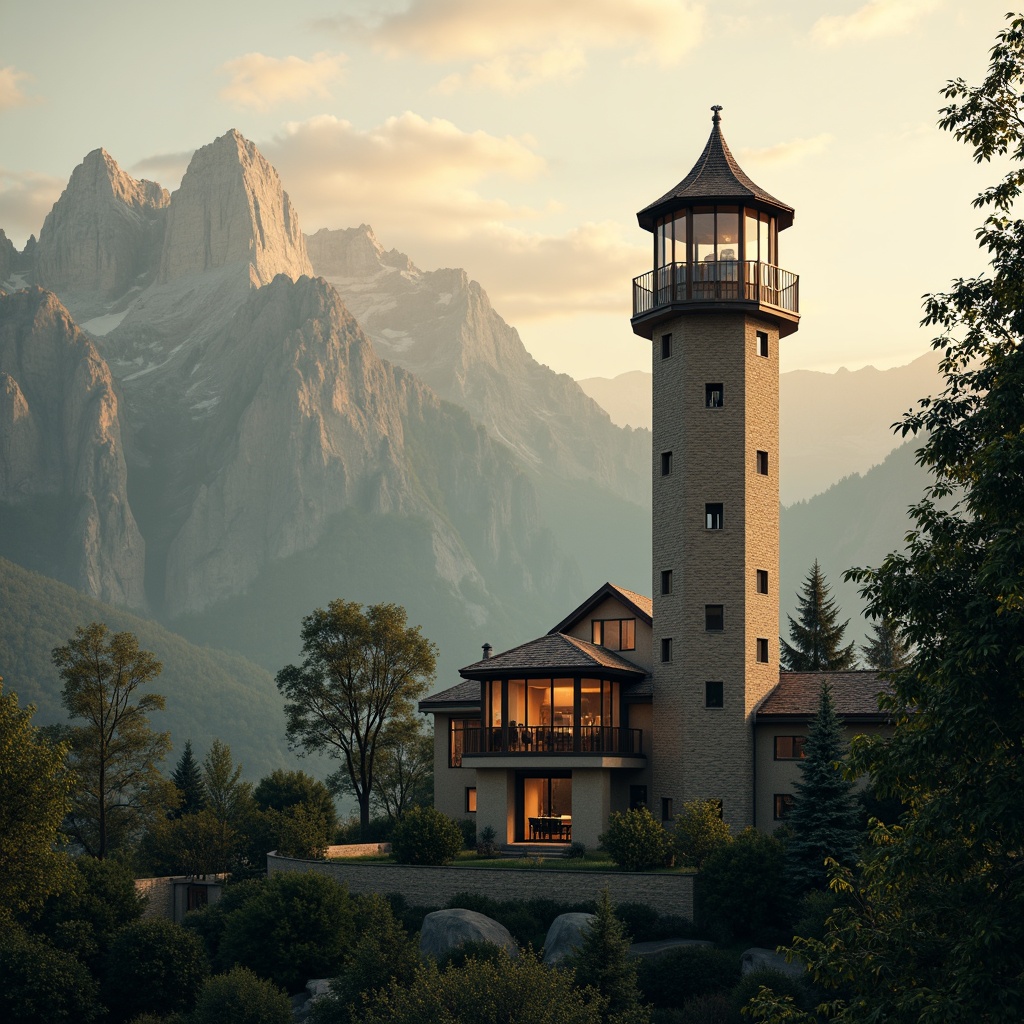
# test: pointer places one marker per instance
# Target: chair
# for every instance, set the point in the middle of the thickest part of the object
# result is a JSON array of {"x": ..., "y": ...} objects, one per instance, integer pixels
[{"x": 534, "y": 827}]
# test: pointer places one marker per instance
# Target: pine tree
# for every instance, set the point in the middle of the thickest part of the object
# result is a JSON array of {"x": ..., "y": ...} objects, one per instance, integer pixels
[
  {"x": 188, "y": 777},
  {"x": 887, "y": 648},
  {"x": 824, "y": 819},
  {"x": 816, "y": 638}
]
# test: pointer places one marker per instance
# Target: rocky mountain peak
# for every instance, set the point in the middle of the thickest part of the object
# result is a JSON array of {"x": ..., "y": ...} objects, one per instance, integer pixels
[
  {"x": 231, "y": 209},
  {"x": 354, "y": 253},
  {"x": 101, "y": 232}
]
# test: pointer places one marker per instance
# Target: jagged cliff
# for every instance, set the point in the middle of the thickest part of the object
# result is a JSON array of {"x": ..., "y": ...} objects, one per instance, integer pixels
[
  {"x": 8, "y": 257},
  {"x": 63, "y": 482}
]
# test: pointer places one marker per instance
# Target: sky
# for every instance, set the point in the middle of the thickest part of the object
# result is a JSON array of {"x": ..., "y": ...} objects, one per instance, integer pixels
[{"x": 518, "y": 138}]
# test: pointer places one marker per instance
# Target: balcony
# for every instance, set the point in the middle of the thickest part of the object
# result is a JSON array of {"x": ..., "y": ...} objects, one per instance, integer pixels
[
  {"x": 526, "y": 741},
  {"x": 727, "y": 284}
]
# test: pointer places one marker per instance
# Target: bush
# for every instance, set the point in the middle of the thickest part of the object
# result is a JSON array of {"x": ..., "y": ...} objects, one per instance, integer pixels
[
  {"x": 153, "y": 966},
  {"x": 426, "y": 836},
  {"x": 699, "y": 830},
  {"x": 741, "y": 892},
  {"x": 576, "y": 850},
  {"x": 636, "y": 840},
  {"x": 241, "y": 997},
  {"x": 783, "y": 984},
  {"x": 475, "y": 949},
  {"x": 688, "y": 972},
  {"x": 468, "y": 828},
  {"x": 486, "y": 845}
]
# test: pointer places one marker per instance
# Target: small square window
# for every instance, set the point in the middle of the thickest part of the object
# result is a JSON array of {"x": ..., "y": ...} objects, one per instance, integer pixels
[
  {"x": 790, "y": 748},
  {"x": 714, "y": 695},
  {"x": 666, "y": 808},
  {"x": 666, "y": 346},
  {"x": 666, "y": 463},
  {"x": 471, "y": 799},
  {"x": 666, "y": 648},
  {"x": 666, "y": 581},
  {"x": 714, "y": 396},
  {"x": 783, "y": 805},
  {"x": 714, "y": 618},
  {"x": 762, "y": 343},
  {"x": 762, "y": 463},
  {"x": 762, "y": 581},
  {"x": 762, "y": 649},
  {"x": 714, "y": 515}
]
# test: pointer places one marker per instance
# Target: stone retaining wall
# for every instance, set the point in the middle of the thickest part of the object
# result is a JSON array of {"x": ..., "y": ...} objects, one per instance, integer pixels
[{"x": 433, "y": 887}]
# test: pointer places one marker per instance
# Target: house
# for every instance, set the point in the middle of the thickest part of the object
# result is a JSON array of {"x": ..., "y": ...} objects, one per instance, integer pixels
[{"x": 631, "y": 700}]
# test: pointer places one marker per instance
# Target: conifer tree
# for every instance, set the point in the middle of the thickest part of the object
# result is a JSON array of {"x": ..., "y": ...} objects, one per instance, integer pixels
[
  {"x": 188, "y": 777},
  {"x": 824, "y": 819},
  {"x": 887, "y": 648},
  {"x": 816, "y": 637}
]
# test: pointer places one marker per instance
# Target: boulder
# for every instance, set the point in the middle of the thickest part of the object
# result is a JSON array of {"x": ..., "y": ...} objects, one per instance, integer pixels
[
  {"x": 447, "y": 929},
  {"x": 659, "y": 946},
  {"x": 756, "y": 959},
  {"x": 564, "y": 936}
]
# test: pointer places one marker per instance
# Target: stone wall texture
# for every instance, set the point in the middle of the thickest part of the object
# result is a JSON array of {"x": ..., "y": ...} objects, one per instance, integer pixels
[{"x": 431, "y": 887}]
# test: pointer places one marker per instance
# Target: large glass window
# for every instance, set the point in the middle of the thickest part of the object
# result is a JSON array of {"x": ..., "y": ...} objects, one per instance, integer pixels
[
  {"x": 615, "y": 634},
  {"x": 547, "y": 809},
  {"x": 463, "y": 737},
  {"x": 727, "y": 233},
  {"x": 703, "y": 234}
]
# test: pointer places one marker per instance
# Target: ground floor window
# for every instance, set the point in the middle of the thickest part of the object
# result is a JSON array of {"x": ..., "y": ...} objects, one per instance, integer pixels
[
  {"x": 783, "y": 805},
  {"x": 545, "y": 807},
  {"x": 470, "y": 799}
]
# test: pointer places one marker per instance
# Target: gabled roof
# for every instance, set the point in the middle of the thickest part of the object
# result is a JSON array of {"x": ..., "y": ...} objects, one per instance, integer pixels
[
  {"x": 715, "y": 177},
  {"x": 854, "y": 694},
  {"x": 465, "y": 694},
  {"x": 641, "y": 606},
  {"x": 552, "y": 654}
]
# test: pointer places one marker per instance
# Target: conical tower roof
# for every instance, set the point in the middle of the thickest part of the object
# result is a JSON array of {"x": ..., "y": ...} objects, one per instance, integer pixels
[{"x": 715, "y": 178}]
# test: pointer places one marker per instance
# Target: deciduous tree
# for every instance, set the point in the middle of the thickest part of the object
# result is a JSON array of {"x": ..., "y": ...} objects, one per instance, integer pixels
[
  {"x": 816, "y": 635},
  {"x": 361, "y": 668},
  {"x": 405, "y": 769}
]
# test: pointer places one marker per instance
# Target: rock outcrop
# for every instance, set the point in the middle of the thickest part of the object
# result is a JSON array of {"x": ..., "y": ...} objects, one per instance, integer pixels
[
  {"x": 445, "y": 930},
  {"x": 63, "y": 482},
  {"x": 103, "y": 234},
  {"x": 231, "y": 209},
  {"x": 8, "y": 258}
]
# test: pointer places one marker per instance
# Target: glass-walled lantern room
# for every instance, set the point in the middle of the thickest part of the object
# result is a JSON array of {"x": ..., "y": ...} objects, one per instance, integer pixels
[{"x": 716, "y": 233}]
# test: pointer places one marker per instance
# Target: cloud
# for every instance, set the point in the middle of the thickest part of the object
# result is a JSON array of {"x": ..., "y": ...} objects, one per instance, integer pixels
[
  {"x": 517, "y": 43},
  {"x": 25, "y": 200},
  {"x": 11, "y": 93},
  {"x": 261, "y": 82},
  {"x": 165, "y": 168},
  {"x": 875, "y": 20},
  {"x": 788, "y": 152}
]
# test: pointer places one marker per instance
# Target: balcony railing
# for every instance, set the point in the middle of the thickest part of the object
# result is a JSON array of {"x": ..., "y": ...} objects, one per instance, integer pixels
[
  {"x": 724, "y": 281},
  {"x": 546, "y": 739}
]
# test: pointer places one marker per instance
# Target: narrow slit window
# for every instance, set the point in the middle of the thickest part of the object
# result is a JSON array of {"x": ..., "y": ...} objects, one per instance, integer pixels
[
  {"x": 762, "y": 581},
  {"x": 762, "y": 649},
  {"x": 666, "y": 463},
  {"x": 666, "y": 581},
  {"x": 762, "y": 463},
  {"x": 666, "y": 346},
  {"x": 762, "y": 343},
  {"x": 666, "y": 648},
  {"x": 714, "y": 515},
  {"x": 783, "y": 805},
  {"x": 666, "y": 808},
  {"x": 471, "y": 799},
  {"x": 714, "y": 396}
]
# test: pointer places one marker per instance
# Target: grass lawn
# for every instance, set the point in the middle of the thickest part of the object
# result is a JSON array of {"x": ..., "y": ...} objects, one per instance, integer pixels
[{"x": 468, "y": 859}]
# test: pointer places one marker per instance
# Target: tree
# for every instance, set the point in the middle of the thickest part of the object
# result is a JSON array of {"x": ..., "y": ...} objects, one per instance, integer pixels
[
  {"x": 115, "y": 754},
  {"x": 931, "y": 927},
  {"x": 405, "y": 769},
  {"x": 361, "y": 668},
  {"x": 283, "y": 790},
  {"x": 886, "y": 649},
  {"x": 188, "y": 778},
  {"x": 824, "y": 821},
  {"x": 699, "y": 830},
  {"x": 35, "y": 788},
  {"x": 817, "y": 637}
]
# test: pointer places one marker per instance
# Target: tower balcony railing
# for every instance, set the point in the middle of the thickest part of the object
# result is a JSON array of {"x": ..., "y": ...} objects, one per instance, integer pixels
[
  {"x": 549, "y": 739},
  {"x": 723, "y": 281}
]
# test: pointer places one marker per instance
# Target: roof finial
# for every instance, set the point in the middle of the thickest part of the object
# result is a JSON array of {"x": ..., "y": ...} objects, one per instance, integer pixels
[{"x": 717, "y": 116}]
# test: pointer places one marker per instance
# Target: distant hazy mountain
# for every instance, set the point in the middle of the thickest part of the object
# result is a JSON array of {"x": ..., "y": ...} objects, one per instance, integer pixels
[{"x": 831, "y": 424}]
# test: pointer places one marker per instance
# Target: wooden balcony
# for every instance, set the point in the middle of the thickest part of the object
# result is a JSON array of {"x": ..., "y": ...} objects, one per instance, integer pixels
[{"x": 529, "y": 741}]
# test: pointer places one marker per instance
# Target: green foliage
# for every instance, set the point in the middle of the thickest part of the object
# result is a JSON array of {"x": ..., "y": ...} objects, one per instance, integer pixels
[
  {"x": 824, "y": 821},
  {"x": 886, "y": 649},
  {"x": 426, "y": 836},
  {"x": 741, "y": 891},
  {"x": 602, "y": 961},
  {"x": 468, "y": 828},
  {"x": 43, "y": 983},
  {"x": 671, "y": 978},
  {"x": 34, "y": 797},
  {"x": 474, "y": 949},
  {"x": 210, "y": 922},
  {"x": 484, "y": 992},
  {"x": 361, "y": 669},
  {"x": 576, "y": 850},
  {"x": 698, "y": 831},
  {"x": 817, "y": 637},
  {"x": 486, "y": 844},
  {"x": 241, "y": 997},
  {"x": 188, "y": 779},
  {"x": 283, "y": 790},
  {"x": 194, "y": 844},
  {"x": 783, "y": 985},
  {"x": 115, "y": 754},
  {"x": 404, "y": 770},
  {"x": 292, "y": 928},
  {"x": 636, "y": 840},
  {"x": 153, "y": 966}
]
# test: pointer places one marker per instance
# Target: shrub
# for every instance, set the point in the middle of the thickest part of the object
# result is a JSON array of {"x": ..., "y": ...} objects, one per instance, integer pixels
[
  {"x": 576, "y": 850},
  {"x": 475, "y": 949},
  {"x": 468, "y": 828},
  {"x": 153, "y": 966},
  {"x": 742, "y": 892},
  {"x": 636, "y": 840},
  {"x": 688, "y": 972},
  {"x": 426, "y": 836},
  {"x": 486, "y": 845},
  {"x": 699, "y": 830},
  {"x": 241, "y": 997},
  {"x": 783, "y": 984}
]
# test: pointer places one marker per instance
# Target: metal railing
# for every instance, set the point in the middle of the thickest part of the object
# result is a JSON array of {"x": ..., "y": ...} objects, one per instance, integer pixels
[
  {"x": 724, "y": 281},
  {"x": 547, "y": 739}
]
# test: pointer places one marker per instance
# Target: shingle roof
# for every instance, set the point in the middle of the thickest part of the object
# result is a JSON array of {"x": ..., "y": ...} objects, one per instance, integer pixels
[
  {"x": 463, "y": 694},
  {"x": 715, "y": 177},
  {"x": 642, "y": 606},
  {"x": 553, "y": 652},
  {"x": 853, "y": 693}
]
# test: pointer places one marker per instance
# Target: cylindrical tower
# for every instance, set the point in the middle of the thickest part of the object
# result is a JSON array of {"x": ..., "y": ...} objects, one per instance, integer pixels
[{"x": 714, "y": 307}]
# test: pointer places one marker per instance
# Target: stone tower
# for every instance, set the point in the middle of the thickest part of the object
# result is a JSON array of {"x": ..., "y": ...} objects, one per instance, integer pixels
[{"x": 714, "y": 307}]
